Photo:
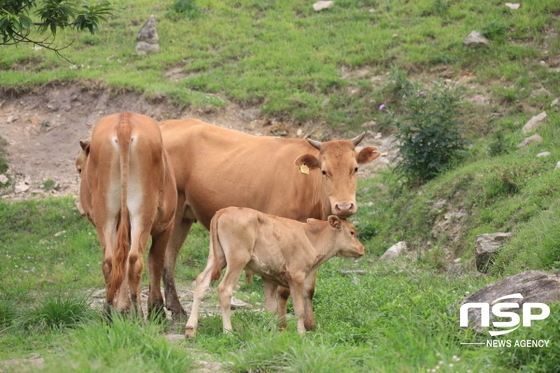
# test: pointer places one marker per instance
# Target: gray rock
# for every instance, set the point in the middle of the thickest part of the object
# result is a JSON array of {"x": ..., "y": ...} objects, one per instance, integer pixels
[
  {"x": 543, "y": 154},
  {"x": 394, "y": 251},
  {"x": 534, "y": 123},
  {"x": 534, "y": 286},
  {"x": 475, "y": 37},
  {"x": 4, "y": 179},
  {"x": 148, "y": 39},
  {"x": 486, "y": 245},
  {"x": 535, "y": 139}
]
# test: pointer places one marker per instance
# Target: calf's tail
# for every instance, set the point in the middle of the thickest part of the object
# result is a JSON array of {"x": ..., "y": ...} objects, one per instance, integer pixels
[
  {"x": 216, "y": 247},
  {"x": 122, "y": 245}
]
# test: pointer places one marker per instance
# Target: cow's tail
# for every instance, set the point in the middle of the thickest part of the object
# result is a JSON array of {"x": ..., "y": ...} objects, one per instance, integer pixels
[
  {"x": 216, "y": 247},
  {"x": 122, "y": 245}
]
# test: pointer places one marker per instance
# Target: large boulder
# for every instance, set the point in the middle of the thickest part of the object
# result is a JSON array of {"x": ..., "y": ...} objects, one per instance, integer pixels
[{"x": 534, "y": 286}]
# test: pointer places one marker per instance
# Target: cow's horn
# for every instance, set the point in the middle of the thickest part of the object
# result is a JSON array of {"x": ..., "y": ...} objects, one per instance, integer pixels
[
  {"x": 356, "y": 140},
  {"x": 315, "y": 144}
]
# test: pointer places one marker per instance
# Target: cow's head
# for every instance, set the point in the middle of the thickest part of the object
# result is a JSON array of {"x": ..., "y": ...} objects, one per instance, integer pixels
[
  {"x": 81, "y": 158},
  {"x": 338, "y": 164}
]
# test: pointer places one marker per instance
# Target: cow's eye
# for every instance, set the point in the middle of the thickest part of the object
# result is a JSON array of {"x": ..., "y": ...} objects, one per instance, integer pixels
[{"x": 356, "y": 169}]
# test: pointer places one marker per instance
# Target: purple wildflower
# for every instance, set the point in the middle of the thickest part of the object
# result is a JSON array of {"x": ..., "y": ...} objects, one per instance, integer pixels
[
  {"x": 382, "y": 107},
  {"x": 422, "y": 93}
]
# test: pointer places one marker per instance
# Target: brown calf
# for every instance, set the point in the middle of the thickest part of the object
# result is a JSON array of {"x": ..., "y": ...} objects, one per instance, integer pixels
[
  {"x": 127, "y": 191},
  {"x": 283, "y": 251}
]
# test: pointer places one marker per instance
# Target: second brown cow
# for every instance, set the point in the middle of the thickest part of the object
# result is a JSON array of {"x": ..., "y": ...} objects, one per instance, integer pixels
[{"x": 283, "y": 251}]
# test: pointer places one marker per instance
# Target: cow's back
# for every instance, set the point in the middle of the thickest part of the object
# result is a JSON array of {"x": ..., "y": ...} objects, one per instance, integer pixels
[{"x": 216, "y": 168}]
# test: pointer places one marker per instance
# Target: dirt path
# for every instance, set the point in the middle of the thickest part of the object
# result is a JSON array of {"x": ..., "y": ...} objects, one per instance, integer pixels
[{"x": 43, "y": 128}]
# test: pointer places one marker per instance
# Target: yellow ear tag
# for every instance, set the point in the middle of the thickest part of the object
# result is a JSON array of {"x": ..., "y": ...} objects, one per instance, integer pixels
[{"x": 304, "y": 169}]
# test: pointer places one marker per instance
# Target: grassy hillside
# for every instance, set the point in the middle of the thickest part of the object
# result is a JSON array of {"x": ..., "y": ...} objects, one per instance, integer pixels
[
  {"x": 303, "y": 65},
  {"x": 336, "y": 67}
]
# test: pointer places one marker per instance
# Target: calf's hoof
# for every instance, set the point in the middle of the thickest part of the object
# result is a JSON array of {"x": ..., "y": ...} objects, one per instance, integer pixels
[{"x": 190, "y": 332}]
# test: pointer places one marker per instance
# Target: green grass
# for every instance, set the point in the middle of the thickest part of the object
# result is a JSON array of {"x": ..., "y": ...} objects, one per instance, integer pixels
[
  {"x": 299, "y": 64},
  {"x": 398, "y": 316}
]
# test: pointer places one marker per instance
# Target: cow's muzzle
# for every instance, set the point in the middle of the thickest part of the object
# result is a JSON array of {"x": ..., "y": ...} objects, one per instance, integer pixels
[{"x": 344, "y": 209}]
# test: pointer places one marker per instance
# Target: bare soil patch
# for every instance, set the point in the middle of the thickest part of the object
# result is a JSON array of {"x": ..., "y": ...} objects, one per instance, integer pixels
[{"x": 43, "y": 127}]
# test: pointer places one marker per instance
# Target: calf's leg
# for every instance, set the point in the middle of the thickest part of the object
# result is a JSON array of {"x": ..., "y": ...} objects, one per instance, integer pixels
[
  {"x": 202, "y": 284},
  {"x": 283, "y": 295},
  {"x": 308, "y": 292},
  {"x": 296, "y": 289}
]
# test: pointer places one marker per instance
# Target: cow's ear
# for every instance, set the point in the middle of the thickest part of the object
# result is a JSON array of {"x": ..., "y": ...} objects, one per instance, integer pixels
[
  {"x": 85, "y": 144},
  {"x": 334, "y": 221},
  {"x": 367, "y": 154},
  {"x": 308, "y": 160}
]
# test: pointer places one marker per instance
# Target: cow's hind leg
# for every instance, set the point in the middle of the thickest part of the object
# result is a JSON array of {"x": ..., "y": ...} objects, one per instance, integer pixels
[
  {"x": 156, "y": 259},
  {"x": 180, "y": 231},
  {"x": 202, "y": 284},
  {"x": 138, "y": 242}
]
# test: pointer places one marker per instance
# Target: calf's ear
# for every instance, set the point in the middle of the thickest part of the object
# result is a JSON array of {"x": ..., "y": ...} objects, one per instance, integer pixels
[
  {"x": 334, "y": 221},
  {"x": 308, "y": 160},
  {"x": 367, "y": 154}
]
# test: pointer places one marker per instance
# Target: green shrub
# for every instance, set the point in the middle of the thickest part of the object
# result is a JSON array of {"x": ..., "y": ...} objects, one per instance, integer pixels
[{"x": 428, "y": 133}]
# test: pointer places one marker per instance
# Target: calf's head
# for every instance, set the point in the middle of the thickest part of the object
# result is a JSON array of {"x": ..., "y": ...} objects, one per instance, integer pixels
[
  {"x": 82, "y": 156},
  {"x": 346, "y": 241},
  {"x": 338, "y": 163}
]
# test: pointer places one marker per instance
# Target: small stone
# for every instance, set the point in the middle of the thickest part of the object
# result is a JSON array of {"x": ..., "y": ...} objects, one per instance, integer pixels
[
  {"x": 513, "y": 6},
  {"x": 554, "y": 102},
  {"x": 535, "y": 139},
  {"x": 534, "y": 123},
  {"x": 543, "y": 154},
  {"x": 394, "y": 251},
  {"x": 21, "y": 187},
  {"x": 475, "y": 37},
  {"x": 3, "y": 179},
  {"x": 320, "y": 5}
]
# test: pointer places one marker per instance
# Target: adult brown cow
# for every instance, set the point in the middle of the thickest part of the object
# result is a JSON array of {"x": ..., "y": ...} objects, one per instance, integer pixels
[
  {"x": 128, "y": 192},
  {"x": 294, "y": 178},
  {"x": 217, "y": 167}
]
